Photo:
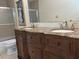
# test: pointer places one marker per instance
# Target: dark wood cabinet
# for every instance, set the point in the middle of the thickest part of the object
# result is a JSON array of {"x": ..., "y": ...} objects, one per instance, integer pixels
[
  {"x": 60, "y": 46},
  {"x": 35, "y": 45},
  {"x": 71, "y": 51},
  {"x": 21, "y": 42},
  {"x": 49, "y": 55},
  {"x": 56, "y": 41},
  {"x": 34, "y": 39},
  {"x": 76, "y": 49},
  {"x": 35, "y": 53}
]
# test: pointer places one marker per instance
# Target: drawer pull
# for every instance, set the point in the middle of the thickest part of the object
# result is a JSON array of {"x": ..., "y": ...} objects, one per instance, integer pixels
[
  {"x": 70, "y": 48},
  {"x": 58, "y": 43},
  {"x": 32, "y": 51},
  {"x": 31, "y": 37}
]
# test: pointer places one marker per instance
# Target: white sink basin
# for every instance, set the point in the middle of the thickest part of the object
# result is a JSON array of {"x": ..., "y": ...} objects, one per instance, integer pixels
[
  {"x": 28, "y": 28},
  {"x": 62, "y": 31}
]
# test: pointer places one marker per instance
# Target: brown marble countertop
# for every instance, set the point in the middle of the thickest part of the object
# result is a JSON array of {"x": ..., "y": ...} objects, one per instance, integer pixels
[{"x": 74, "y": 34}]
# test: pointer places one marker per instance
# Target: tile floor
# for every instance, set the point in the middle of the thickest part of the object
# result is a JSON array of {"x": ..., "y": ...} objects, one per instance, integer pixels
[
  {"x": 8, "y": 49},
  {"x": 13, "y": 56}
]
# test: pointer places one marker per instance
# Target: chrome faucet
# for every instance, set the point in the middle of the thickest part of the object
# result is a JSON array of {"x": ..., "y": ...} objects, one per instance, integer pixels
[
  {"x": 72, "y": 25},
  {"x": 66, "y": 25},
  {"x": 61, "y": 26}
]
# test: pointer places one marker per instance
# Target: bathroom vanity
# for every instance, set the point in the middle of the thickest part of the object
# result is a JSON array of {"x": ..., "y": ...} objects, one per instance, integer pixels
[{"x": 41, "y": 43}]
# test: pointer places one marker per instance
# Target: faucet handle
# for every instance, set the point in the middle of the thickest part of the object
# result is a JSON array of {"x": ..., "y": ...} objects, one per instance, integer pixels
[
  {"x": 66, "y": 25},
  {"x": 61, "y": 26},
  {"x": 72, "y": 27}
]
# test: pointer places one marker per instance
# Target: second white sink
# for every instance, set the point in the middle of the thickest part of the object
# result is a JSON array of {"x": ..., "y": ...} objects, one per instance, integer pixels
[{"x": 62, "y": 31}]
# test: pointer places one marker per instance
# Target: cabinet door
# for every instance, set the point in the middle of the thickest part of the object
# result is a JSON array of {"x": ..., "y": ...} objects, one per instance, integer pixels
[
  {"x": 35, "y": 53},
  {"x": 34, "y": 39},
  {"x": 35, "y": 45},
  {"x": 57, "y": 52},
  {"x": 55, "y": 41},
  {"x": 49, "y": 55},
  {"x": 77, "y": 49},
  {"x": 71, "y": 52},
  {"x": 21, "y": 43}
]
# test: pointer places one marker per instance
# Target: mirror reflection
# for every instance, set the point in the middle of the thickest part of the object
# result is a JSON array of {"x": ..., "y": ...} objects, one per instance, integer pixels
[
  {"x": 53, "y": 10},
  {"x": 33, "y": 10},
  {"x": 20, "y": 12}
]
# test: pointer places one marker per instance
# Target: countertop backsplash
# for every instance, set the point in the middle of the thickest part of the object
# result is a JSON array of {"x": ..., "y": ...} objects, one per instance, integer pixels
[{"x": 55, "y": 25}]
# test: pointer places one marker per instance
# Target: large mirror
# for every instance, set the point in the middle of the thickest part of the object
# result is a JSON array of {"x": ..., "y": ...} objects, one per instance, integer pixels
[
  {"x": 47, "y": 11},
  {"x": 53, "y": 10}
]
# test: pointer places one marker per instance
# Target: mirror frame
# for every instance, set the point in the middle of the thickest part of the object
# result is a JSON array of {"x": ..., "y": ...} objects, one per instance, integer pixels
[{"x": 26, "y": 15}]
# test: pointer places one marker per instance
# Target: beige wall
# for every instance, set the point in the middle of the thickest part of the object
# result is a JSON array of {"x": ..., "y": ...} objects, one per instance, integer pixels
[
  {"x": 6, "y": 24},
  {"x": 63, "y": 9},
  {"x": 3, "y": 3},
  {"x": 6, "y": 20},
  {"x": 6, "y": 3},
  {"x": 10, "y": 3},
  {"x": 6, "y": 32},
  {"x": 6, "y": 16}
]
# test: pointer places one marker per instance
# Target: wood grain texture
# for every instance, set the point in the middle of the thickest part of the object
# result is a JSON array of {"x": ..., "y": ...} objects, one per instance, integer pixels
[{"x": 35, "y": 45}]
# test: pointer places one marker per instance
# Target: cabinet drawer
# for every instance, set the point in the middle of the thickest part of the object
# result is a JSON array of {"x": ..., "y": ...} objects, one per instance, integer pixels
[
  {"x": 56, "y": 51},
  {"x": 49, "y": 55},
  {"x": 35, "y": 53},
  {"x": 56, "y": 41},
  {"x": 34, "y": 38}
]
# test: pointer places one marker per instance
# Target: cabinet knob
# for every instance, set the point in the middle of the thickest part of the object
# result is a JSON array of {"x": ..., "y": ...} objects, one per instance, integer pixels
[
  {"x": 30, "y": 37},
  {"x": 32, "y": 51},
  {"x": 58, "y": 43}
]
